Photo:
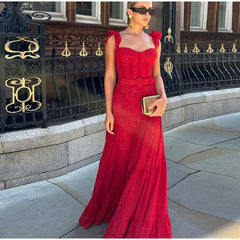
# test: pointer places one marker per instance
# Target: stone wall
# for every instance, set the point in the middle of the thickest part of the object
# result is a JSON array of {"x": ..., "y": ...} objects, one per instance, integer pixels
[
  {"x": 36, "y": 154},
  {"x": 195, "y": 106}
]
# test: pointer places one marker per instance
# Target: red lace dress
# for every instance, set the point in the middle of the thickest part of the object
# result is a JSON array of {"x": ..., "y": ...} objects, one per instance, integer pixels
[{"x": 130, "y": 191}]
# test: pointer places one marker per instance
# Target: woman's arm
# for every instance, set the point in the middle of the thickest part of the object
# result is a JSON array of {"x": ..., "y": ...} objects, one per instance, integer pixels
[
  {"x": 109, "y": 82},
  {"x": 158, "y": 105}
]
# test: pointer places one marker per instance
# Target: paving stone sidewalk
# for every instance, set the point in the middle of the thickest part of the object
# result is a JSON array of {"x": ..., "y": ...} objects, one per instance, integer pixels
[{"x": 203, "y": 160}]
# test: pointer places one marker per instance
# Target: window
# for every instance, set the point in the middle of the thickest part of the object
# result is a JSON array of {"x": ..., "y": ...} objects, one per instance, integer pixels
[
  {"x": 42, "y": 6},
  {"x": 198, "y": 15},
  {"x": 225, "y": 16},
  {"x": 116, "y": 10},
  {"x": 88, "y": 12},
  {"x": 86, "y": 8},
  {"x": 55, "y": 9},
  {"x": 222, "y": 14},
  {"x": 118, "y": 14}
]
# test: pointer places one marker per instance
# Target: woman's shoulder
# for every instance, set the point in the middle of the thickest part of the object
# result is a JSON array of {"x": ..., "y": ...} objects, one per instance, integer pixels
[
  {"x": 112, "y": 33},
  {"x": 156, "y": 36}
]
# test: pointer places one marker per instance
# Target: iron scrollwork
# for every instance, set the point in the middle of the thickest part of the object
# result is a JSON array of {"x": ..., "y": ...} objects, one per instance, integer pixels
[
  {"x": 222, "y": 49},
  {"x": 195, "y": 49},
  {"x": 66, "y": 53},
  {"x": 39, "y": 15},
  {"x": 234, "y": 49},
  {"x": 23, "y": 54},
  {"x": 178, "y": 48},
  {"x": 99, "y": 52},
  {"x": 15, "y": 21},
  {"x": 168, "y": 66},
  {"x": 210, "y": 49},
  {"x": 23, "y": 94},
  {"x": 83, "y": 52},
  {"x": 185, "y": 50},
  {"x": 169, "y": 37}
]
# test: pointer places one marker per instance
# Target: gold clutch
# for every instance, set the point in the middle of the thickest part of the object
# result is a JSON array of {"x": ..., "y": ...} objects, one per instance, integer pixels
[{"x": 145, "y": 103}]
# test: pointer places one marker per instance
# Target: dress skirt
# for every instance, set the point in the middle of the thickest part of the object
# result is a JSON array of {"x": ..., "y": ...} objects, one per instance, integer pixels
[{"x": 130, "y": 192}]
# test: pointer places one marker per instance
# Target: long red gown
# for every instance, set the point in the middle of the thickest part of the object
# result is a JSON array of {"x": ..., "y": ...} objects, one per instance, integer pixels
[{"x": 130, "y": 191}]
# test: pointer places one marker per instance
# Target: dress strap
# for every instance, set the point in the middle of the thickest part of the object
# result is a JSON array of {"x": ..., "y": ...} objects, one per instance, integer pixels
[
  {"x": 156, "y": 36},
  {"x": 117, "y": 37}
]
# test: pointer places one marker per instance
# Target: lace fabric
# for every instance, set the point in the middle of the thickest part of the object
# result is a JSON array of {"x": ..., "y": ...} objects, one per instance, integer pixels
[{"x": 130, "y": 191}]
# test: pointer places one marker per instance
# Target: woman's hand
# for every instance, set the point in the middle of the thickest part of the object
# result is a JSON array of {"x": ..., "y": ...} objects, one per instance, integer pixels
[
  {"x": 158, "y": 106},
  {"x": 109, "y": 122}
]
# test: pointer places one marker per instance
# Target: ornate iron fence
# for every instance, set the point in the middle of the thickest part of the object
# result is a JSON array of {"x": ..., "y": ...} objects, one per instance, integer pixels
[
  {"x": 39, "y": 89},
  {"x": 22, "y": 80},
  {"x": 191, "y": 70},
  {"x": 75, "y": 86}
]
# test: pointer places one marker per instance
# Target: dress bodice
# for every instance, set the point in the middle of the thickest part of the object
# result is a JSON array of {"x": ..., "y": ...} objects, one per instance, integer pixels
[{"x": 132, "y": 64}]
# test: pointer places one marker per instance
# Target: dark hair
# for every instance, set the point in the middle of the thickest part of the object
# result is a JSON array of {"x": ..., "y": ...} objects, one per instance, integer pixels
[{"x": 130, "y": 4}]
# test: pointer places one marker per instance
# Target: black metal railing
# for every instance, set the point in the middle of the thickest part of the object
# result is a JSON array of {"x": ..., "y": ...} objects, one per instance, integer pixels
[
  {"x": 22, "y": 80},
  {"x": 197, "y": 69},
  {"x": 75, "y": 85},
  {"x": 39, "y": 89}
]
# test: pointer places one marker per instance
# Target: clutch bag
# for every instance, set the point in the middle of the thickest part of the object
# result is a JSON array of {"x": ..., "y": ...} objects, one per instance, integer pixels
[{"x": 145, "y": 103}]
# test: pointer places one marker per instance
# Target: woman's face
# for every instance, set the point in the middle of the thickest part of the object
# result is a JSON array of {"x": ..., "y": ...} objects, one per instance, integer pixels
[{"x": 140, "y": 19}]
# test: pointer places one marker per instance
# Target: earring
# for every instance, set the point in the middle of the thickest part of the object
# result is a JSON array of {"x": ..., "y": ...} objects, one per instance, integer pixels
[
  {"x": 131, "y": 24},
  {"x": 147, "y": 26}
]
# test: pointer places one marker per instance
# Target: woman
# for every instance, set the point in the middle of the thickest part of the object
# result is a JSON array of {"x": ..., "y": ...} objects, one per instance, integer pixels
[{"x": 131, "y": 186}]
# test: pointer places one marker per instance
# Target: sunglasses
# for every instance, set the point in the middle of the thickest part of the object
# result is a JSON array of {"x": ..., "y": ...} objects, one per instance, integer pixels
[{"x": 143, "y": 10}]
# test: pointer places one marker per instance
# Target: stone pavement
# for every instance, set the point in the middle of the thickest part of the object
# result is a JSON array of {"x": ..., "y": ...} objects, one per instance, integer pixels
[{"x": 203, "y": 160}]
